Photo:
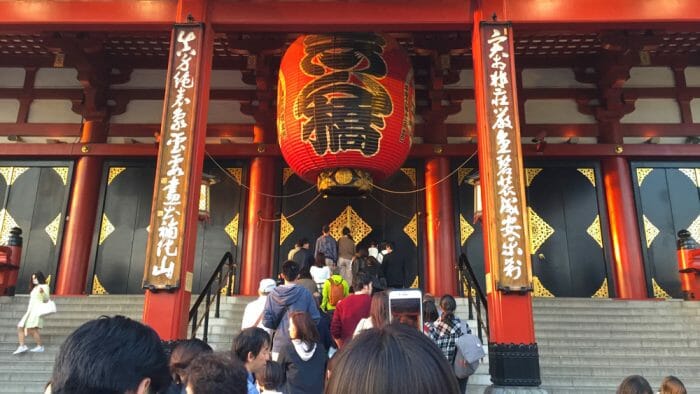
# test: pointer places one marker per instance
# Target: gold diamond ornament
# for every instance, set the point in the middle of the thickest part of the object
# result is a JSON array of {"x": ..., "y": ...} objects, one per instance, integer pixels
[
  {"x": 286, "y": 174},
  {"x": 589, "y": 174},
  {"x": 411, "y": 229},
  {"x": 286, "y": 229},
  {"x": 410, "y": 173},
  {"x": 97, "y": 288},
  {"x": 350, "y": 219},
  {"x": 465, "y": 229},
  {"x": 463, "y": 173},
  {"x": 658, "y": 291},
  {"x": 540, "y": 290},
  {"x": 530, "y": 174},
  {"x": 62, "y": 172},
  {"x": 539, "y": 229},
  {"x": 113, "y": 173},
  {"x": 52, "y": 229},
  {"x": 231, "y": 229},
  {"x": 691, "y": 174},
  {"x": 642, "y": 174},
  {"x": 236, "y": 173},
  {"x": 106, "y": 228},
  {"x": 650, "y": 231},
  {"x": 602, "y": 291},
  {"x": 594, "y": 231},
  {"x": 6, "y": 224},
  {"x": 694, "y": 229}
]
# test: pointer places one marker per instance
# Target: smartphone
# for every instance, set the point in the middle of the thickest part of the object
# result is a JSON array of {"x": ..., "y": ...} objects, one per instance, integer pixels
[{"x": 406, "y": 306}]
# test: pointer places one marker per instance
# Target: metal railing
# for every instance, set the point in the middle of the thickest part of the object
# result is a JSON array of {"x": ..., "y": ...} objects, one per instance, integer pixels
[
  {"x": 475, "y": 295},
  {"x": 212, "y": 293}
]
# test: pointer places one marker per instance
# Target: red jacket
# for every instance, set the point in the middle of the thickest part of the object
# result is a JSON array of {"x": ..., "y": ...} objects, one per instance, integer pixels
[{"x": 347, "y": 314}]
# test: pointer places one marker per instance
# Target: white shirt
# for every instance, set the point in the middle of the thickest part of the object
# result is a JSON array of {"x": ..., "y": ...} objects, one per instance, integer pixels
[
  {"x": 253, "y": 312},
  {"x": 320, "y": 274}
]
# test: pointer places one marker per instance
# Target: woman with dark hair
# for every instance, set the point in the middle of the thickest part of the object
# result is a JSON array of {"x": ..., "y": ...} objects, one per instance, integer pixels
[
  {"x": 320, "y": 272},
  {"x": 304, "y": 358},
  {"x": 446, "y": 329},
  {"x": 181, "y": 357},
  {"x": 634, "y": 384},
  {"x": 430, "y": 314},
  {"x": 396, "y": 359},
  {"x": 346, "y": 253},
  {"x": 378, "y": 313},
  {"x": 32, "y": 322}
]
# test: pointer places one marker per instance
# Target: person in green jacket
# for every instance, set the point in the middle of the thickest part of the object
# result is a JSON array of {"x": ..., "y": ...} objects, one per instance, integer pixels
[{"x": 331, "y": 297}]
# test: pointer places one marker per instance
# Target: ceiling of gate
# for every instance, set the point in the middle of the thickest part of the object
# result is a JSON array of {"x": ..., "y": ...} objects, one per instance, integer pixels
[{"x": 231, "y": 50}]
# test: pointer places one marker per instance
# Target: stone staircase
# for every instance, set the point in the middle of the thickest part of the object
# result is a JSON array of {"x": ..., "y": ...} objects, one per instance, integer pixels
[{"x": 586, "y": 346}]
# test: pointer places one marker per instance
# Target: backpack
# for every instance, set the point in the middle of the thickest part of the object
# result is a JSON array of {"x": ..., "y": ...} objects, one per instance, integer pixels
[
  {"x": 336, "y": 292},
  {"x": 469, "y": 354}
]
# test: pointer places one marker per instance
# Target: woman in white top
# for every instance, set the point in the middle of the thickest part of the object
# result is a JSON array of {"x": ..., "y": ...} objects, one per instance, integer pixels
[
  {"x": 378, "y": 313},
  {"x": 31, "y": 322},
  {"x": 320, "y": 271}
]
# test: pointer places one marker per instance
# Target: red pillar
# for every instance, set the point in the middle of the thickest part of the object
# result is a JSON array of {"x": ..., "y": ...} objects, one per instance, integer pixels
[
  {"x": 167, "y": 312},
  {"x": 513, "y": 352},
  {"x": 440, "y": 275},
  {"x": 630, "y": 280},
  {"x": 80, "y": 225},
  {"x": 257, "y": 252}
]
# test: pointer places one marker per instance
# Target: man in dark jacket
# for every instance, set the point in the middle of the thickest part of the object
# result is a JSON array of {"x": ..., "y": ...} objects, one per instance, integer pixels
[
  {"x": 393, "y": 267},
  {"x": 283, "y": 299},
  {"x": 304, "y": 257}
]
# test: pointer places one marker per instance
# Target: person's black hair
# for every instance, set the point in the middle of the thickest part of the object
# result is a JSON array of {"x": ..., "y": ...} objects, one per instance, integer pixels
[
  {"x": 182, "y": 355},
  {"x": 385, "y": 355},
  {"x": 373, "y": 243},
  {"x": 389, "y": 244},
  {"x": 320, "y": 260},
  {"x": 325, "y": 229},
  {"x": 634, "y": 384},
  {"x": 301, "y": 242},
  {"x": 290, "y": 270},
  {"x": 251, "y": 340},
  {"x": 110, "y": 355},
  {"x": 215, "y": 373},
  {"x": 360, "y": 280},
  {"x": 448, "y": 306},
  {"x": 273, "y": 376},
  {"x": 430, "y": 312},
  {"x": 40, "y": 277}
]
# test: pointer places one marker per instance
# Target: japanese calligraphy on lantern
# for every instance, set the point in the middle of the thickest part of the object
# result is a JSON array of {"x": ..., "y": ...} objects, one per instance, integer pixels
[
  {"x": 165, "y": 240},
  {"x": 508, "y": 216},
  {"x": 344, "y": 105}
]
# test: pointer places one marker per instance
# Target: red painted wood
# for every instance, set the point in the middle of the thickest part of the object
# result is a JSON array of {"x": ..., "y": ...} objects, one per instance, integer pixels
[
  {"x": 440, "y": 273},
  {"x": 628, "y": 263},
  {"x": 258, "y": 243}
]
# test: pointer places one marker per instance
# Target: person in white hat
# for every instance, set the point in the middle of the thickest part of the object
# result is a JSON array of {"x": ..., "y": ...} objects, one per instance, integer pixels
[{"x": 252, "y": 317}]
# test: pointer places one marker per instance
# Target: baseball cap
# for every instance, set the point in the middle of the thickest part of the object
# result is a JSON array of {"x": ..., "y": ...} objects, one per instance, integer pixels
[{"x": 266, "y": 285}]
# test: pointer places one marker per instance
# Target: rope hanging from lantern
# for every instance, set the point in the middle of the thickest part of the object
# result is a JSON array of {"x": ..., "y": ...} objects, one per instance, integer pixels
[
  {"x": 291, "y": 215},
  {"x": 427, "y": 186},
  {"x": 255, "y": 191}
]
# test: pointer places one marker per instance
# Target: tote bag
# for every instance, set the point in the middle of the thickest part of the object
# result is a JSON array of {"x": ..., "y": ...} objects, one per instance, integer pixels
[{"x": 46, "y": 308}]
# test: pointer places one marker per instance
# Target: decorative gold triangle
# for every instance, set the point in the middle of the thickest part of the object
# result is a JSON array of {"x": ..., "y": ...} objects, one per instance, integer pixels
[
  {"x": 411, "y": 229},
  {"x": 410, "y": 173},
  {"x": 16, "y": 173},
  {"x": 52, "y": 228},
  {"x": 465, "y": 229},
  {"x": 62, "y": 172},
  {"x": 530, "y": 174},
  {"x": 658, "y": 291},
  {"x": 97, "y": 288},
  {"x": 690, "y": 173},
  {"x": 602, "y": 291},
  {"x": 540, "y": 290},
  {"x": 694, "y": 229},
  {"x": 6, "y": 224},
  {"x": 594, "y": 231},
  {"x": 650, "y": 230},
  {"x": 236, "y": 173},
  {"x": 113, "y": 173},
  {"x": 642, "y": 174},
  {"x": 350, "y": 219},
  {"x": 414, "y": 285},
  {"x": 286, "y": 228},
  {"x": 589, "y": 174},
  {"x": 6, "y": 173},
  {"x": 463, "y": 173},
  {"x": 231, "y": 229},
  {"x": 286, "y": 174},
  {"x": 465, "y": 290},
  {"x": 106, "y": 228},
  {"x": 540, "y": 231}
]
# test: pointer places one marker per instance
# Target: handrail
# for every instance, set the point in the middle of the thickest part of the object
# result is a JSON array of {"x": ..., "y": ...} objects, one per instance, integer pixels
[
  {"x": 468, "y": 279},
  {"x": 206, "y": 295}
]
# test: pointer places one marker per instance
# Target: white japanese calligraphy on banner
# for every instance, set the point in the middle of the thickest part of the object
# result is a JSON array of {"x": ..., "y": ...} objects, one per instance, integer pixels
[
  {"x": 504, "y": 156},
  {"x": 162, "y": 270}
]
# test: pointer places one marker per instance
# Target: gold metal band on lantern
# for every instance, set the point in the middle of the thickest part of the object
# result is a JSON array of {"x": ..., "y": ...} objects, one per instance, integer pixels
[{"x": 344, "y": 182}]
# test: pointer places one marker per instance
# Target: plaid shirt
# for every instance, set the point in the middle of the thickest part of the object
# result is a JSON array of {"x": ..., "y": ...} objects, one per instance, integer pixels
[
  {"x": 445, "y": 334},
  {"x": 327, "y": 245}
]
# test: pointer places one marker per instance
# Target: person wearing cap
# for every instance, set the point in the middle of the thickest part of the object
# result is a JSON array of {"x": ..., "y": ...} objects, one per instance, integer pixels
[{"x": 252, "y": 317}]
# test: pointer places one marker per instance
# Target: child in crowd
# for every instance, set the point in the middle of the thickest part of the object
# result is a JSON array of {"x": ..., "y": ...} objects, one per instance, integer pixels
[{"x": 272, "y": 379}]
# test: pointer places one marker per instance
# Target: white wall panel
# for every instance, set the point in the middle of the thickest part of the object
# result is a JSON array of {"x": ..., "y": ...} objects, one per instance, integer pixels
[
  {"x": 654, "y": 111},
  {"x": 11, "y": 77},
  {"x": 551, "y": 78},
  {"x": 466, "y": 80},
  {"x": 8, "y": 110},
  {"x": 555, "y": 111},
  {"x": 227, "y": 111},
  {"x": 57, "y": 78},
  {"x": 52, "y": 111},
  {"x": 466, "y": 115},
  {"x": 692, "y": 76},
  {"x": 695, "y": 110},
  {"x": 141, "y": 112},
  {"x": 228, "y": 79},
  {"x": 144, "y": 79},
  {"x": 650, "y": 77}
]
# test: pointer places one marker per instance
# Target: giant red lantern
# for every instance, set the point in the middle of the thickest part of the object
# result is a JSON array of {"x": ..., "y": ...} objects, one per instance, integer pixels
[{"x": 345, "y": 109}]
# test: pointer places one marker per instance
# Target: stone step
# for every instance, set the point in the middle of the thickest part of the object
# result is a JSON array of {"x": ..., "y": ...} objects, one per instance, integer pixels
[
  {"x": 617, "y": 370},
  {"x": 625, "y": 353},
  {"x": 612, "y": 320},
  {"x": 614, "y": 360},
  {"x": 692, "y": 383},
  {"x": 605, "y": 332},
  {"x": 619, "y": 343}
]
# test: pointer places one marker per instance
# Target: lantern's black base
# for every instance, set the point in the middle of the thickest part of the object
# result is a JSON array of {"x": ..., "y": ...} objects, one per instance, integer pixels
[
  {"x": 512, "y": 364},
  {"x": 345, "y": 182}
]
